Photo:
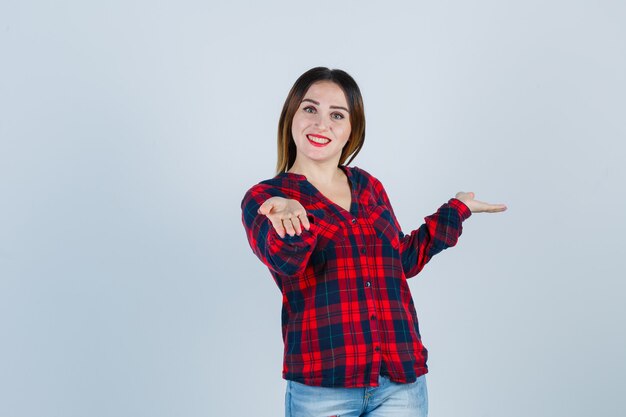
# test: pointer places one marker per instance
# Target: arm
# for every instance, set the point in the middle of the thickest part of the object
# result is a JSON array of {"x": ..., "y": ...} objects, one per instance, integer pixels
[
  {"x": 286, "y": 255},
  {"x": 440, "y": 231}
]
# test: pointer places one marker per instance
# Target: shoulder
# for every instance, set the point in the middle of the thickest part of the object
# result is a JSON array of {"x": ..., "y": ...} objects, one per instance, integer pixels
[
  {"x": 272, "y": 185},
  {"x": 365, "y": 179},
  {"x": 278, "y": 186},
  {"x": 263, "y": 190},
  {"x": 361, "y": 175},
  {"x": 368, "y": 187}
]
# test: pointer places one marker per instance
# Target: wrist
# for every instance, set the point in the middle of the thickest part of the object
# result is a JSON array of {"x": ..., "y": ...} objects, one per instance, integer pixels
[{"x": 461, "y": 207}]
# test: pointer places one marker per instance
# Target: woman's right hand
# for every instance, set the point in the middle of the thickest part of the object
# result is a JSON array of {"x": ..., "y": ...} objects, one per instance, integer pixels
[{"x": 287, "y": 216}]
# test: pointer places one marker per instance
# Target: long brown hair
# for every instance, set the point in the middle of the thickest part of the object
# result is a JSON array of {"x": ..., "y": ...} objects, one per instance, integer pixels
[{"x": 286, "y": 145}]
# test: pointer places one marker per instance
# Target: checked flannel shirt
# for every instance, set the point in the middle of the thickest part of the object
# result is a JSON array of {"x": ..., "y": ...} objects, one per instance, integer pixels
[{"x": 347, "y": 313}]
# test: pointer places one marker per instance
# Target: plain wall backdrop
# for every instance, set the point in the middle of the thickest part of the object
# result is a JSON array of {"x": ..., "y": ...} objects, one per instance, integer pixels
[{"x": 130, "y": 131}]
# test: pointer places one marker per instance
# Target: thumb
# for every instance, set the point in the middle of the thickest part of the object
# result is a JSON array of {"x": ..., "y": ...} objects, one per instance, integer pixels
[{"x": 265, "y": 208}]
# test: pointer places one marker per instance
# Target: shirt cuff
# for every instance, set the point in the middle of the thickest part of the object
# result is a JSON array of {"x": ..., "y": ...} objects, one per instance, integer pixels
[{"x": 461, "y": 207}]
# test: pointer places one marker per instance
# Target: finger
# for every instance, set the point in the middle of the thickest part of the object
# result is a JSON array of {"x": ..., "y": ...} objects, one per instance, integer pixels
[
  {"x": 461, "y": 195},
  {"x": 297, "y": 226},
  {"x": 278, "y": 226},
  {"x": 300, "y": 213},
  {"x": 289, "y": 227},
  {"x": 490, "y": 208},
  {"x": 266, "y": 208},
  {"x": 304, "y": 219},
  {"x": 496, "y": 208}
]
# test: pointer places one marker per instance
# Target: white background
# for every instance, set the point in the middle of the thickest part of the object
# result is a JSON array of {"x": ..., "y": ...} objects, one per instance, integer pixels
[{"x": 130, "y": 131}]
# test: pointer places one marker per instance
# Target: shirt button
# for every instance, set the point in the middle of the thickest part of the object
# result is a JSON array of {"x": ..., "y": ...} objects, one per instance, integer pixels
[
  {"x": 373, "y": 317},
  {"x": 363, "y": 251},
  {"x": 353, "y": 221},
  {"x": 368, "y": 284},
  {"x": 377, "y": 348}
]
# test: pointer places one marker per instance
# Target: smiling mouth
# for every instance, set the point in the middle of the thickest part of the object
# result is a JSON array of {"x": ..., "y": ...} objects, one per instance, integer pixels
[{"x": 318, "y": 141}]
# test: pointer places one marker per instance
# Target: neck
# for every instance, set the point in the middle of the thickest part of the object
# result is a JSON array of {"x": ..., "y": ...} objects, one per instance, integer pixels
[{"x": 318, "y": 173}]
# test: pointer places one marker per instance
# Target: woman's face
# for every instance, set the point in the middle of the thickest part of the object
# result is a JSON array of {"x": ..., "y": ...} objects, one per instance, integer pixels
[{"x": 321, "y": 125}]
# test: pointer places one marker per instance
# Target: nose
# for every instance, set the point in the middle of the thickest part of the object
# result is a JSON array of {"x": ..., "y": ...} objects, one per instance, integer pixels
[{"x": 321, "y": 123}]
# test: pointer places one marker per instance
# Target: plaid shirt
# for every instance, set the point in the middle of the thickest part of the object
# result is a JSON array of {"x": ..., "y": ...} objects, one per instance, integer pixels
[{"x": 347, "y": 313}]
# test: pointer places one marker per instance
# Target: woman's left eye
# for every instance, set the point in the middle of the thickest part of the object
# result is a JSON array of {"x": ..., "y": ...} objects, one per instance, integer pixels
[{"x": 338, "y": 116}]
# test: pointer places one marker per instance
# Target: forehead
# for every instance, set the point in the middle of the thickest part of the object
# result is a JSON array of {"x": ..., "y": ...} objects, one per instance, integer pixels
[{"x": 327, "y": 92}]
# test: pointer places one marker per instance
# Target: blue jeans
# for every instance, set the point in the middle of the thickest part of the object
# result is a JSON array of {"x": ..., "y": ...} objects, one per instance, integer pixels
[{"x": 386, "y": 400}]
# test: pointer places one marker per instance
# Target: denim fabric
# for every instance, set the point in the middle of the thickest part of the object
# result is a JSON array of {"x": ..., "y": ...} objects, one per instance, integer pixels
[{"x": 389, "y": 399}]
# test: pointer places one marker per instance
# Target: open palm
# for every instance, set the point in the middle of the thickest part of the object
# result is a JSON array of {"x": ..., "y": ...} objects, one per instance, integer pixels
[{"x": 479, "y": 206}]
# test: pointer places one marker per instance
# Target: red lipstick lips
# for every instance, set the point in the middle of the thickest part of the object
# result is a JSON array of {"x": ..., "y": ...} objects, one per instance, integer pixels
[{"x": 323, "y": 140}]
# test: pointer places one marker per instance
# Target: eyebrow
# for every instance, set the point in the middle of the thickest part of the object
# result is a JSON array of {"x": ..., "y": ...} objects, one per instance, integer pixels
[{"x": 332, "y": 107}]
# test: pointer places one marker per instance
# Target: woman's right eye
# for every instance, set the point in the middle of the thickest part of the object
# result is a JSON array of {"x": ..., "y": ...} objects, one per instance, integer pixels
[{"x": 306, "y": 109}]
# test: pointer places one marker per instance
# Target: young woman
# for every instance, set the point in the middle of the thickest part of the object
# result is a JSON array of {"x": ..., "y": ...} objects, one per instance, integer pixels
[{"x": 329, "y": 236}]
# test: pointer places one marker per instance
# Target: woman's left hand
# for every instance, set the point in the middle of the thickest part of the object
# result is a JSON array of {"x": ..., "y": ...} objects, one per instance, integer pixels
[{"x": 476, "y": 206}]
